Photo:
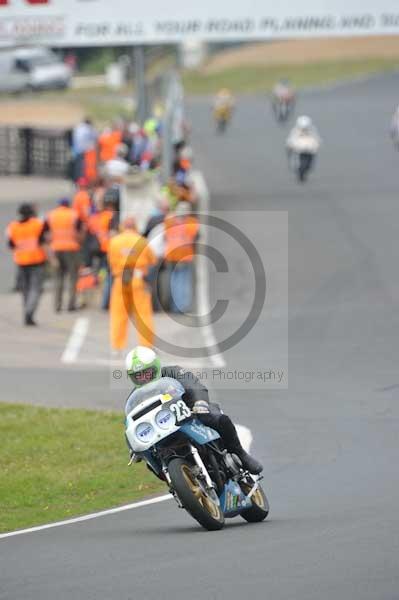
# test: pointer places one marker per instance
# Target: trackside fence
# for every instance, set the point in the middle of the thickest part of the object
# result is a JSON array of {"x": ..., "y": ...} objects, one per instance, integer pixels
[{"x": 35, "y": 151}]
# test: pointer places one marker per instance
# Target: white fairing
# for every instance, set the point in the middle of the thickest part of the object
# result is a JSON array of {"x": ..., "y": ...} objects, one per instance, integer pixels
[
  {"x": 152, "y": 427},
  {"x": 299, "y": 141},
  {"x": 305, "y": 143}
]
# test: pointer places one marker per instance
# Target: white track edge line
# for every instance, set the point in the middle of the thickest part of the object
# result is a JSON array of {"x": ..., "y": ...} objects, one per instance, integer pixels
[
  {"x": 102, "y": 513},
  {"x": 245, "y": 436},
  {"x": 75, "y": 340},
  {"x": 203, "y": 280}
]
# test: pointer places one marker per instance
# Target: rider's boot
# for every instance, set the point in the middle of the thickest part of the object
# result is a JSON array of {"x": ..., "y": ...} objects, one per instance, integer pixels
[
  {"x": 233, "y": 444},
  {"x": 249, "y": 462}
]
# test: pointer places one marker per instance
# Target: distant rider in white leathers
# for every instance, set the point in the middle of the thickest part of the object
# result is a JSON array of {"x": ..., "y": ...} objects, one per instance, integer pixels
[
  {"x": 303, "y": 142},
  {"x": 304, "y": 137}
]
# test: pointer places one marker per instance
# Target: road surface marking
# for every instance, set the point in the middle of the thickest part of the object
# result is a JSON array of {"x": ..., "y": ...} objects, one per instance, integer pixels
[
  {"x": 245, "y": 436},
  {"x": 216, "y": 358},
  {"x": 102, "y": 513},
  {"x": 75, "y": 341}
]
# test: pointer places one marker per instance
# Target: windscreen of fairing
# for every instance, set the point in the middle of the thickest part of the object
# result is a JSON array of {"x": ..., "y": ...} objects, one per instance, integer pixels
[{"x": 163, "y": 386}]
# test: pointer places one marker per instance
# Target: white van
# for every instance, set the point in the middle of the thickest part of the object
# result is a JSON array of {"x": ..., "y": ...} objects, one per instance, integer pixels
[{"x": 32, "y": 68}]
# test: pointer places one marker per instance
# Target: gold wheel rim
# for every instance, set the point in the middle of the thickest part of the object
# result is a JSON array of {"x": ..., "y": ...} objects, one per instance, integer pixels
[
  {"x": 206, "y": 502},
  {"x": 258, "y": 499},
  {"x": 257, "y": 496}
]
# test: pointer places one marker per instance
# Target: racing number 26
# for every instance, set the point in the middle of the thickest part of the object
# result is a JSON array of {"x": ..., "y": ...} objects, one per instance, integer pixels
[{"x": 181, "y": 410}]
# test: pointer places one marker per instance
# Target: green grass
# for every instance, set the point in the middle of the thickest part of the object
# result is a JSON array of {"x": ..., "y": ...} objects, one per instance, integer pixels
[
  {"x": 56, "y": 464},
  {"x": 105, "y": 112},
  {"x": 261, "y": 79},
  {"x": 99, "y": 103},
  {"x": 97, "y": 61}
]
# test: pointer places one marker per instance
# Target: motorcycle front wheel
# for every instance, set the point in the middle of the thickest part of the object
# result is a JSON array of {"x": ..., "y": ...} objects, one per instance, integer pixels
[
  {"x": 260, "y": 505},
  {"x": 302, "y": 175},
  {"x": 221, "y": 125},
  {"x": 203, "y": 505}
]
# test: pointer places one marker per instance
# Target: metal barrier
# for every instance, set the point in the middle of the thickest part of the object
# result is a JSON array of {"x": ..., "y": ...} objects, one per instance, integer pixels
[
  {"x": 11, "y": 151},
  {"x": 173, "y": 121},
  {"x": 35, "y": 151}
]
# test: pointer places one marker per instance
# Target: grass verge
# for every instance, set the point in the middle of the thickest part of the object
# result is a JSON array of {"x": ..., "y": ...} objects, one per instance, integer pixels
[
  {"x": 56, "y": 464},
  {"x": 262, "y": 78},
  {"x": 98, "y": 103}
]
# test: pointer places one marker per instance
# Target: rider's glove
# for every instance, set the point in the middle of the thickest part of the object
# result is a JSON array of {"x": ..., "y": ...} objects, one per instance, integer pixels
[{"x": 201, "y": 407}]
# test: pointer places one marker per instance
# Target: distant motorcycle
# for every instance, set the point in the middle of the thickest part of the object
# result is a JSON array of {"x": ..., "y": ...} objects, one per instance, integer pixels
[
  {"x": 204, "y": 479},
  {"x": 222, "y": 116},
  {"x": 283, "y": 105},
  {"x": 302, "y": 155}
]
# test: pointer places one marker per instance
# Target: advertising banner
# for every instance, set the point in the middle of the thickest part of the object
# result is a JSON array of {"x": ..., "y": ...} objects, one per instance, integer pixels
[{"x": 124, "y": 22}]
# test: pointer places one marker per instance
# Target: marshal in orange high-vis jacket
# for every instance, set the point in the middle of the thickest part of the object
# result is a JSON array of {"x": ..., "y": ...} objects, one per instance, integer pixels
[{"x": 130, "y": 259}]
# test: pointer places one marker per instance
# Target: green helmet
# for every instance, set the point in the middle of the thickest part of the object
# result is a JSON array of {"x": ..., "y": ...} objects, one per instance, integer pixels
[{"x": 143, "y": 365}]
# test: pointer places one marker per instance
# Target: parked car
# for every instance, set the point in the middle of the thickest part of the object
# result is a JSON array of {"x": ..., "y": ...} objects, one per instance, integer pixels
[{"x": 32, "y": 68}]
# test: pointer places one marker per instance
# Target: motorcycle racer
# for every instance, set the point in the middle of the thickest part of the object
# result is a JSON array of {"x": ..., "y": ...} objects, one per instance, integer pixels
[
  {"x": 304, "y": 133},
  {"x": 303, "y": 143},
  {"x": 223, "y": 106},
  {"x": 224, "y": 99},
  {"x": 283, "y": 99},
  {"x": 283, "y": 89},
  {"x": 144, "y": 366}
]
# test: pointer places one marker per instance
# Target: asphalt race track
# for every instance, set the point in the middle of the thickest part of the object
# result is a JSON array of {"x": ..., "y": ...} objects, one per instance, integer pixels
[{"x": 330, "y": 442}]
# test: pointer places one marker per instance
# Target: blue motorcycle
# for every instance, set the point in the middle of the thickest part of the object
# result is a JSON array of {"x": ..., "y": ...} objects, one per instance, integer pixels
[{"x": 206, "y": 480}]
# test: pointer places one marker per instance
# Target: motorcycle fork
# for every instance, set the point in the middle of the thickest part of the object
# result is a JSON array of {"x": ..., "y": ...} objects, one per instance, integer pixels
[
  {"x": 166, "y": 473},
  {"x": 200, "y": 464},
  {"x": 169, "y": 482}
]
